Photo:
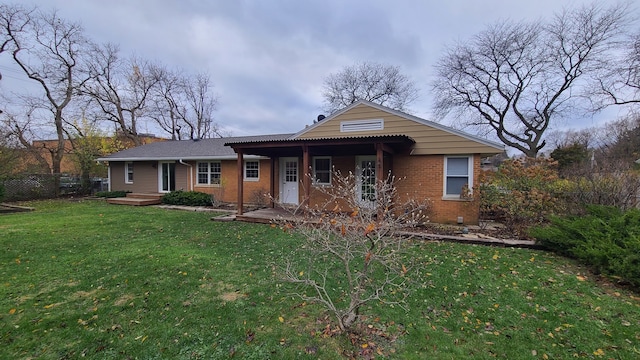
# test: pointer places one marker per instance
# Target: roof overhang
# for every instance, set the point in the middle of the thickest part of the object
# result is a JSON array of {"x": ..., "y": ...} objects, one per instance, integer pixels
[
  {"x": 184, "y": 158},
  {"x": 325, "y": 146}
]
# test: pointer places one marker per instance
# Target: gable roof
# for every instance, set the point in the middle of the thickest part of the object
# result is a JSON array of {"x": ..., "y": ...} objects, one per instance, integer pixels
[
  {"x": 203, "y": 149},
  {"x": 357, "y": 111}
]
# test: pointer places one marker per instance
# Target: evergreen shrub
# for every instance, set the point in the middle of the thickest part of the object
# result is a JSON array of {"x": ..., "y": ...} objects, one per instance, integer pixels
[
  {"x": 606, "y": 239},
  {"x": 188, "y": 198}
]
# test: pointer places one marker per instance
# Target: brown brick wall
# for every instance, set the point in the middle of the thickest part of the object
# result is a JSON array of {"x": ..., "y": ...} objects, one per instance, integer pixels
[
  {"x": 227, "y": 191},
  {"x": 419, "y": 178},
  {"x": 422, "y": 177}
]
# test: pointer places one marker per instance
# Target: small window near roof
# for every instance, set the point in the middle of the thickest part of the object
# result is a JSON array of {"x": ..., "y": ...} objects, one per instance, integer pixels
[
  {"x": 252, "y": 170},
  {"x": 322, "y": 170},
  {"x": 128, "y": 172}
]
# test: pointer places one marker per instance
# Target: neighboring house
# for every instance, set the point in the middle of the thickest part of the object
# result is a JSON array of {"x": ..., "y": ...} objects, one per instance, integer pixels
[
  {"x": 435, "y": 162},
  {"x": 68, "y": 164}
]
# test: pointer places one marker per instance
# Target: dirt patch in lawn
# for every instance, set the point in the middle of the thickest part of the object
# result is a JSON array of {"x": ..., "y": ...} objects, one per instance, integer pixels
[
  {"x": 123, "y": 300},
  {"x": 231, "y": 296}
]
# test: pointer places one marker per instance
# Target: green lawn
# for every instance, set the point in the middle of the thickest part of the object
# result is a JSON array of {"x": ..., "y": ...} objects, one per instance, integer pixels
[{"x": 87, "y": 279}]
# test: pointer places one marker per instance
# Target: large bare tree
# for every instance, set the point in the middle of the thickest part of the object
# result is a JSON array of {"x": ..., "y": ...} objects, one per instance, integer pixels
[
  {"x": 514, "y": 79},
  {"x": 183, "y": 106},
  {"x": 121, "y": 88},
  {"x": 379, "y": 83},
  {"x": 50, "y": 51}
]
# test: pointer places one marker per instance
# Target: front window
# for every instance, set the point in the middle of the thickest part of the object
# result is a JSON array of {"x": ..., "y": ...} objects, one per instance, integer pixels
[
  {"x": 209, "y": 173},
  {"x": 128, "y": 173},
  {"x": 458, "y": 175},
  {"x": 252, "y": 170},
  {"x": 322, "y": 170}
]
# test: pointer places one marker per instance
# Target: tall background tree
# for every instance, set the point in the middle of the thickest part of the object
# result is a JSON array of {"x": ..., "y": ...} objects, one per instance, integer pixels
[
  {"x": 379, "y": 83},
  {"x": 75, "y": 80},
  {"x": 515, "y": 79},
  {"x": 121, "y": 88},
  {"x": 50, "y": 52}
]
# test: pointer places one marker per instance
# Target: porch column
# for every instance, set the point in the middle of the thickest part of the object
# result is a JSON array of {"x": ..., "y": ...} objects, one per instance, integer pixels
[
  {"x": 379, "y": 174},
  {"x": 379, "y": 162},
  {"x": 240, "y": 180},
  {"x": 306, "y": 176},
  {"x": 272, "y": 183}
]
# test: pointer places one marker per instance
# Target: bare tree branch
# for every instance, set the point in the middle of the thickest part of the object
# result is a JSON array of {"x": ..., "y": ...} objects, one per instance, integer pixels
[{"x": 515, "y": 78}]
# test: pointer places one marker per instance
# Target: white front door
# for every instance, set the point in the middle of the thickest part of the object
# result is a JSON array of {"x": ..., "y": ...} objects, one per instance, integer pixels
[
  {"x": 289, "y": 180},
  {"x": 166, "y": 176},
  {"x": 366, "y": 179}
]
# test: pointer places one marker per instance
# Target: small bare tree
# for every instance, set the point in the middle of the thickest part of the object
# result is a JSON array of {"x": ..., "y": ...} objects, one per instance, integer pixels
[{"x": 353, "y": 253}]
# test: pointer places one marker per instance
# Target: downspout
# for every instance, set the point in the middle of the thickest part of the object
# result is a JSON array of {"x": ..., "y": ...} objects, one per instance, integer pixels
[
  {"x": 190, "y": 173},
  {"x": 109, "y": 177}
]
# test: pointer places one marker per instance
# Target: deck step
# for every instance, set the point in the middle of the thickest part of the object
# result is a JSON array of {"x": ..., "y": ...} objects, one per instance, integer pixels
[
  {"x": 134, "y": 201},
  {"x": 156, "y": 196}
]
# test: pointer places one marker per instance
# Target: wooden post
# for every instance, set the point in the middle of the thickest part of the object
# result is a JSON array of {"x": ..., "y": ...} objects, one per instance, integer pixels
[
  {"x": 272, "y": 182},
  {"x": 306, "y": 176},
  {"x": 240, "y": 180},
  {"x": 379, "y": 175},
  {"x": 379, "y": 163}
]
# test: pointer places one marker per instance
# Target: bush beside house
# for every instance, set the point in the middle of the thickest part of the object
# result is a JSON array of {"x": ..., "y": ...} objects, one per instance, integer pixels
[{"x": 187, "y": 198}]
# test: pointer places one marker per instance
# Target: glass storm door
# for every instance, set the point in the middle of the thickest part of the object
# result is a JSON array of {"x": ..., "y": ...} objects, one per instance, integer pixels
[
  {"x": 167, "y": 176},
  {"x": 366, "y": 181}
]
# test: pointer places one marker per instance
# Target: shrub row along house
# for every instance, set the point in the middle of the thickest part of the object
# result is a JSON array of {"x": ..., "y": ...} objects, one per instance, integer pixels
[{"x": 372, "y": 141}]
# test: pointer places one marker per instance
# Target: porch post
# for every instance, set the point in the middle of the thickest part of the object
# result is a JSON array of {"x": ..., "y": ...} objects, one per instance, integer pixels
[
  {"x": 379, "y": 175},
  {"x": 306, "y": 176},
  {"x": 379, "y": 163},
  {"x": 240, "y": 180},
  {"x": 272, "y": 183}
]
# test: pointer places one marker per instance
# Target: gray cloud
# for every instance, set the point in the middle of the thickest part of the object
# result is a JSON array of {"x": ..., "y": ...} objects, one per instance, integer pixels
[{"x": 267, "y": 59}]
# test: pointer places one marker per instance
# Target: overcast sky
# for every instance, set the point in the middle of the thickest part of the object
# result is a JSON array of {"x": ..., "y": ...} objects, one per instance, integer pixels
[{"x": 267, "y": 59}]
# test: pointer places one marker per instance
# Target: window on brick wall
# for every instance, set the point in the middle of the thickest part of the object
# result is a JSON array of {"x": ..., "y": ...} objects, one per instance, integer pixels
[
  {"x": 322, "y": 170},
  {"x": 458, "y": 174},
  {"x": 209, "y": 173},
  {"x": 252, "y": 170}
]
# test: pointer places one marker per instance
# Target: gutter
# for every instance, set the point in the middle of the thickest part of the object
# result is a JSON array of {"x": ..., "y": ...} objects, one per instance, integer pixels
[{"x": 190, "y": 173}]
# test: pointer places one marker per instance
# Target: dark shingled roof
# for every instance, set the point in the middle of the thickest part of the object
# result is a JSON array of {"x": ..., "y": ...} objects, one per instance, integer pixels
[{"x": 203, "y": 149}]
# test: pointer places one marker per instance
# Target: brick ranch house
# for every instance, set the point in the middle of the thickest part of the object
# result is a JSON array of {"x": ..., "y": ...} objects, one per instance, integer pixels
[{"x": 370, "y": 140}]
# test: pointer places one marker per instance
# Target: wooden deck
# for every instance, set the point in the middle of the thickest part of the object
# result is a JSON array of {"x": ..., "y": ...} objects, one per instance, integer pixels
[
  {"x": 138, "y": 199},
  {"x": 264, "y": 216}
]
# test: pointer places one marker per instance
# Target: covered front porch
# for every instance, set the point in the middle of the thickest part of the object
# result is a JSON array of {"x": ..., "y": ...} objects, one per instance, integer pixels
[{"x": 373, "y": 154}]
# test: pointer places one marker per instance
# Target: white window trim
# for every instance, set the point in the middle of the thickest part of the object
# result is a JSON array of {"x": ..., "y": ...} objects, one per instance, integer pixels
[
  {"x": 244, "y": 171},
  {"x": 126, "y": 172},
  {"x": 362, "y": 125},
  {"x": 209, "y": 173},
  {"x": 315, "y": 181},
  {"x": 446, "y": 196}
]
